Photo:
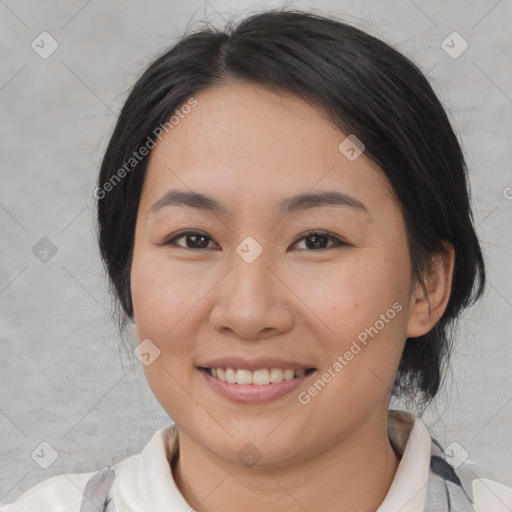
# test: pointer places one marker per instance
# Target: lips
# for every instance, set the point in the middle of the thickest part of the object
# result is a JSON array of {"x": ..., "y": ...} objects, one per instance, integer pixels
[
  {"x": 261, "y": 379},
  {"x": 251, "y": 393}
]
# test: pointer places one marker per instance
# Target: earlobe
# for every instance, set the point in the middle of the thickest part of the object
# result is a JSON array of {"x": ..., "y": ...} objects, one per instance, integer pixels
[{"x": 428, "y": 303}]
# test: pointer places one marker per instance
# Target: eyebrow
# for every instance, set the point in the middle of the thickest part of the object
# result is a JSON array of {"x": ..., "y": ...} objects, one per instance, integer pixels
[{"x": 287, "y": 205}]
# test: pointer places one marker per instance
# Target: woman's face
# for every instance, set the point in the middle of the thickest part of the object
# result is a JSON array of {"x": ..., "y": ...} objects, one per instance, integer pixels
[{"x": 253, "y": 284}]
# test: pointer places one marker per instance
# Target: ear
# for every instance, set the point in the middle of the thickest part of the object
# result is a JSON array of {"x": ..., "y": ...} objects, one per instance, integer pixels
[{"x": 428, "y": 305}]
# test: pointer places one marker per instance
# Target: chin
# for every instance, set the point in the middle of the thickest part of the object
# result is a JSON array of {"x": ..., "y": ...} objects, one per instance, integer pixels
[{"x": 257, "y": 447}]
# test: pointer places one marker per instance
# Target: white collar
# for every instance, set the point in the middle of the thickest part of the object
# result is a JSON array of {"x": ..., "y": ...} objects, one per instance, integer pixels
[
  {"x": 410, "y": 438},
  {"x": 145, "y": 482}
]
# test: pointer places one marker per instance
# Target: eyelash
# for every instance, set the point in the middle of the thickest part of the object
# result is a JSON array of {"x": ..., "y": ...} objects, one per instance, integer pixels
[{"x": 172, "y": 240}]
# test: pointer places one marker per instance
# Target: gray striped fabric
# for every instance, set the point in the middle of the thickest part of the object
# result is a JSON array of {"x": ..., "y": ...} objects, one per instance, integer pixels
[{"x": 444, "y": 490}]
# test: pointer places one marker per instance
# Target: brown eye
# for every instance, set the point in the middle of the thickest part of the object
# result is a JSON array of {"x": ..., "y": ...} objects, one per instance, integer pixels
[
  {"x": 194, "y": 240},
  {"x": 318, "y": 239}
]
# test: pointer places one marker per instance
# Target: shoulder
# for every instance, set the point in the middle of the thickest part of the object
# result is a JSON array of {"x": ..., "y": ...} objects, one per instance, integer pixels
[
  {"x": 85, "y": 492},
  {"x": 476, "y": 482},
  {"x": 61, "y": 493},
  {"x": 433, "y": 478}
]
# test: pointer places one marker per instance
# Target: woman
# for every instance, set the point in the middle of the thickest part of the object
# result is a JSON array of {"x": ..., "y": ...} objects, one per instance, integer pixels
[{"x": 284, "y": 216}]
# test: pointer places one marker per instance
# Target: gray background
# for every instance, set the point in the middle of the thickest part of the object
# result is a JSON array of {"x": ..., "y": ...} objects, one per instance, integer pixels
[{"x": 65, "y": 378}]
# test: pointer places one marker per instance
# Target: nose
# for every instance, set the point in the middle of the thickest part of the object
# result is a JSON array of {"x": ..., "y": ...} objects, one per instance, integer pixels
[{"x": 252, "y": 302}]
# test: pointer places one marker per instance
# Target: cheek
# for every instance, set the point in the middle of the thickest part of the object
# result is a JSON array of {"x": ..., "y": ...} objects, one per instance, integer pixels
[
  {"x": 351, "y": 294},
  {"x": 163, "y": 292}
]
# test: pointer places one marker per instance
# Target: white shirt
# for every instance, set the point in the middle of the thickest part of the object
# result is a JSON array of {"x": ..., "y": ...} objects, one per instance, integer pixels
[{"x": 144, "y": 482}]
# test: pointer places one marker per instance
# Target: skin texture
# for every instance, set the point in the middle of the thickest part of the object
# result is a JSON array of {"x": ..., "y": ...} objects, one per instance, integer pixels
[{"x": 248, "y": 148}]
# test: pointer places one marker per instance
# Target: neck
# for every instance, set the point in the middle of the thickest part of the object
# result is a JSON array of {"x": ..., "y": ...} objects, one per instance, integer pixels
[{"x": 355, "y": 474}]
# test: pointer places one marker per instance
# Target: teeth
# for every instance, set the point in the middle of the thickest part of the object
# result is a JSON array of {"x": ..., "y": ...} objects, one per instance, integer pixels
[
  {"x": 276, "y": 375},
  {"x": 230, "y": 375},
  {"x": 244, "y": 377},
  {"x": 258, "y": 377}
]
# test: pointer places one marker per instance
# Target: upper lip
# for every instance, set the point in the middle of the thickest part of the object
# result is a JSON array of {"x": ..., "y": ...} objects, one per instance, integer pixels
[{"x": 252, "y": 364}]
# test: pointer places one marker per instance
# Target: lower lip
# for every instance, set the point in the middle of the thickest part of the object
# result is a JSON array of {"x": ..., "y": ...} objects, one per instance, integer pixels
[{"x": 250, "y": 393}]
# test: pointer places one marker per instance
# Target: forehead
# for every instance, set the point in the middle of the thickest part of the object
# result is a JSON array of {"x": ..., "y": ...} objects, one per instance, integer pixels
[{"x": 251, "y": 145}]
